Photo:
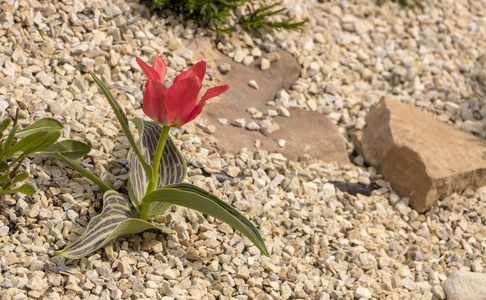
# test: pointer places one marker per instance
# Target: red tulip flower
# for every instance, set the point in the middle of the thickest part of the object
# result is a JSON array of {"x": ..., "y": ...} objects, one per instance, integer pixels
[{"x": 176, "y": 105}]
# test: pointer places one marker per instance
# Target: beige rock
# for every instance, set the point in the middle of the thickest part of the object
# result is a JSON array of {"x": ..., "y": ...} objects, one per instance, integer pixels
[
  {"x": 264, "y": 64},
  {"x": 423, "y": 158},
  {"x": 463, "y": 285}
]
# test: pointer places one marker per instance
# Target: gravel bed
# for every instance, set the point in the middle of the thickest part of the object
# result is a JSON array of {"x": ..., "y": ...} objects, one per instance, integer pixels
[{"x": 325, "y": 244}]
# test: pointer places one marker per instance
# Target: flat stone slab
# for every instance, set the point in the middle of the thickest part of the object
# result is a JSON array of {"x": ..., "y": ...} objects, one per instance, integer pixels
[
  {"x": 423, "y": 158},
  {"x": 304, "y": 132}
]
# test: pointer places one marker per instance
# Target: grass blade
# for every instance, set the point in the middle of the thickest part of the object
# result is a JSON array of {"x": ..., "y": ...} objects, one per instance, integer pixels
[
  {"x": 122, "y": 118},
  {"x": 81, "y": 170}
]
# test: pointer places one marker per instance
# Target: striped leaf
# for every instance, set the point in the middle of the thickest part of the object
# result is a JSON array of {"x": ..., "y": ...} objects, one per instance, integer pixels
[
  {"x": 115, "y": 220},
  {"x": 172, "y": 165},
  {"x": 193, "y": 197}
]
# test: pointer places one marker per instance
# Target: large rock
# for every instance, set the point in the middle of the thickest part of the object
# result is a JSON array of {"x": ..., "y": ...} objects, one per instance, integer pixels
[
  {"x": 463, "y": 285},
  {"x": 305, "y": 132},
  {"x": 423, "y": 158}
]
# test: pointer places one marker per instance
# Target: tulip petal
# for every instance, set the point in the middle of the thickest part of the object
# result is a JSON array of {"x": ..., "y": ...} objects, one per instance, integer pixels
[
  {"x": 150, "y": 72},
  {"x": 182, "y": 98},
  {"x": 160, "y": 67},
  {"x": 154, "y": 106},
  {"x": 214, "y": 91},
  {"x": 210, "y": 93},
  {"x": 198, "y": 70},
  {"x": 195, "y": 112}
]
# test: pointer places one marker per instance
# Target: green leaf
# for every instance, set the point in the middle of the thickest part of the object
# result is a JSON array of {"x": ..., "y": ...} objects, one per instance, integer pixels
[
  {"x": 71, "y": 149},
  {"x": 20, "y": 177},
  {"x": 10, "y": 139},
  {"x": 193, "y": 197},
  {"x": 34, "y": 142},
  {"x": 115, "y": 220},
  {"x": 5, "y": 124},
  {"x": 81, "y": 170},
  {"x": 27, "y": 143},
  {"x": 122, "y": 118},
  {"x": 42, "y": 125},
  {"x": 37, "y": 137},
  {"x": 3, "y": 178},
  {"x": 172, "y": 167},
  {"x": 26, "y": 189}
]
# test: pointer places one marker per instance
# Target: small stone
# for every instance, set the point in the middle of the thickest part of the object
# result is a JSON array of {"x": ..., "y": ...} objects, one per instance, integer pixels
[
  {"x": 174, "y": 43},
  {"x": 151, "y": 293},
  {"x": 253, "y": 84},
  {"x": 169, "y": 274},
  {"x": 243, "y": 272},
  {"x": 232, "y": 171},
  {"x": 239, "y": 123},
  {"x": 272, "y": 57},
  {"x": 223, "y": 121},
  {"x": 210, "y": 129},
  {"x": 56, "y": 107},
  {"x": 281, "y": 143},
  {"x": 284, "y": 112},
  {"x": 269, "y": 47},
  {"x": 224, "y": 68},
  {"x": 9, "y": 259},
  {"x": 35, "y": 283},
  {"x": 239, "y": 56},
  {"x": 34, "y": 294},
  {"x": 253, "y": 126},
  {"x": 272, "y": 113},
  {"x": 362, "y": 292},
  {"x": 332, "y": 89},
  {"x": 113, "y": 11},
  {"x": 248, "y": 60},
  {"x": 256, "y": 52},
  {"x": 270, "y": 267},
  {"x": 285, "y": 291},
  {"x": 264, "y": 64},
  {"x": 72, "y": 215},
  {"x": 312, "y": 105},
  {"x": 251, "y": 110},
  {"x": 438, "y": 292},
  {"x": 23, "y": 81}
]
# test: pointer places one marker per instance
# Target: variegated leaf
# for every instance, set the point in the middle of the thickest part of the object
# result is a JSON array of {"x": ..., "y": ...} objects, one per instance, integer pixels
[
  {"x": 172, "y": 165},
  {"x": 115, "y": 220},
  {"x": 193, "y": 197}
]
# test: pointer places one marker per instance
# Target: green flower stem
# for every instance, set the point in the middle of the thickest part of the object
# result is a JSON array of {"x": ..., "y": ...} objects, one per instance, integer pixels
[{"x": 144, "y": 211}]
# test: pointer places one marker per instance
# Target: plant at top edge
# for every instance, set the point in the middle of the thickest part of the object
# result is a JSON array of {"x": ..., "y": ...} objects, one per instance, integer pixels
[
  {"x": 216, "y": 14},
  {"x": 17, "y": 144},
  {"x": 156, "y": 166},
  {"x": 408, "y": 3}
]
